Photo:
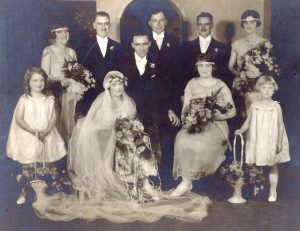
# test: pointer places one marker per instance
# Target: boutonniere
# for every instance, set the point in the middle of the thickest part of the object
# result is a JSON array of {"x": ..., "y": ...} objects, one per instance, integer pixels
[
  {"x": 152, "y": 65},
  {"x": 168, "y": 45},
  {"x": 216, "y": 50},
  {"x": 112, "y": 47}
]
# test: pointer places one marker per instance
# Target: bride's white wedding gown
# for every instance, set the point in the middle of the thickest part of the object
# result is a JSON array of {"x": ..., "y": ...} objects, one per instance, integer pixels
[{"x": 99, "y": 192}]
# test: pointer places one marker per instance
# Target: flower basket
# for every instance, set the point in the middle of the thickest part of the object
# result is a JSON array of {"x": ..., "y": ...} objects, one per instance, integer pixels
[{"x": 238, "y": 184}]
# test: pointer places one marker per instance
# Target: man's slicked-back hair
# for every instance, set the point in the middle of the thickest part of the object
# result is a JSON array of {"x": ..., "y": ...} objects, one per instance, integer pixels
[
  {"x": 139, "y": 33},
  {"x": 156, "y": 11},
  {"x": 205, "y": 15},
  {"x": 103, "y": 14}
]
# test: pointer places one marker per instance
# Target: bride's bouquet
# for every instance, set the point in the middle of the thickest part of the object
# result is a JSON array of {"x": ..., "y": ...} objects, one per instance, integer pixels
[
  {"x": 130, "y": 133},
  {"x": 82, "y": 79},
  {"x": 258, "y": 61},
  {"x": 135, "y": 161},
  {"x": 200, "y": 113}
]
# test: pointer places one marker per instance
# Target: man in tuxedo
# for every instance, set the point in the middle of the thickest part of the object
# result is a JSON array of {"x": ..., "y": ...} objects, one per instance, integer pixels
[
  {"x": 165, "y": 49},
  {"x": 100, "y": 58},
  {"x": 206, "y": 44},
  {"x": 147, "y": 88}
]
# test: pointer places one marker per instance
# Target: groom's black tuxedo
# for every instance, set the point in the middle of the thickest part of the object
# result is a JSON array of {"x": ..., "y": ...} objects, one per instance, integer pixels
[
  {"x": 99, "y": 66},
  {"x": 220, "y": 53},
  {"x": 149, "y": 91}
]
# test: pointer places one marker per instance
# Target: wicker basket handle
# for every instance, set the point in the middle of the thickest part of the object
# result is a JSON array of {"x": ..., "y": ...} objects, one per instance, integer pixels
[{"x": 242, "y": 148}]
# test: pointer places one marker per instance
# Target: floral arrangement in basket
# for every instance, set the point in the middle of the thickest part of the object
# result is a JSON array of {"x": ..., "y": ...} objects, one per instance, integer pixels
[
  {"x": 135, "y": 161},
  {"x": 83, "y": 78},
  {"x": 234, "y": 174},
  {"x": 258, "y": 61},
  {"x": 200, "y": 113},
  {"x": 256, "y": 178}
]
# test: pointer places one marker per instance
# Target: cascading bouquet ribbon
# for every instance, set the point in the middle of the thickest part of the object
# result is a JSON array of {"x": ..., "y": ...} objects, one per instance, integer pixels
[
  {"x": 135, "y": 161},
  {"x": 131, "y": 131},
  {"x": 82, "y": 78},
  {"x": 200, "y": 113},
  {"x": 258, "y": 61}
]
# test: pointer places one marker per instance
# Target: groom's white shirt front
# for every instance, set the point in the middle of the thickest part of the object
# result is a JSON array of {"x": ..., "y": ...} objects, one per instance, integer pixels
[{"x": 140, "y": 63}]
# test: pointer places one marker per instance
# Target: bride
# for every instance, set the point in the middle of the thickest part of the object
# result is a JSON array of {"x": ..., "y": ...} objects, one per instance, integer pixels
[{"x": 98, "y": 190}]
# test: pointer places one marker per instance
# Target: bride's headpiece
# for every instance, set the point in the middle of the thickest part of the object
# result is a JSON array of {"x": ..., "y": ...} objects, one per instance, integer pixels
[{"x": 112, "y": 75}]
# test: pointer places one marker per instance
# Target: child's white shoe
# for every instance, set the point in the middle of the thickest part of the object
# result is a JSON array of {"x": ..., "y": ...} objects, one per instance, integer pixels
[
  {"x": 181, "y": 189},
  {"x": 21, "y": 199},
  {"x": 272, "y": 197}
]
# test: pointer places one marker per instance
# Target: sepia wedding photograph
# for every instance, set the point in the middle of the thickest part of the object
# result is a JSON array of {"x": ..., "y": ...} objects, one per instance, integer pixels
[{"x": 149, "y": 115}]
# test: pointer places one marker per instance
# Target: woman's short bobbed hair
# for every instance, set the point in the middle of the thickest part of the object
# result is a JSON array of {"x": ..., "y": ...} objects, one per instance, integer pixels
[
  {"x": 251, "y": 13},
  {"x": 54, "y": 27},
  {"x": 206, "y": 58}
]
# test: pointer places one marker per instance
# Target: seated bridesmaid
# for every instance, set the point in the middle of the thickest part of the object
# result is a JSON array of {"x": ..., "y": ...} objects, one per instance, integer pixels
[
  {"x": 53, "y": 59},
  {"x": 201, "y": 143}
]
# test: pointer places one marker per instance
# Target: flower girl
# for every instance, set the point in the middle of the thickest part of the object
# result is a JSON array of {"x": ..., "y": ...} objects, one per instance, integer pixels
[
  {"x": 266, "y": 142},
  {"x": 33, "y": 137}
]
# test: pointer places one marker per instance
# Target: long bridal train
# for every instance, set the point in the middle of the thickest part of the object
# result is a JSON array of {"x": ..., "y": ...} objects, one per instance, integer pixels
[{"x": 62, "y": 207}]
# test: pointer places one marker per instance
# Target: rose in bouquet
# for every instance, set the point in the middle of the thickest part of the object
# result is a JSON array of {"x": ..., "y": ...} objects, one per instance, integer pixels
[
  {"x": 130, "y": 134},
  {"x": 200, "y": 113},
  {"x": 81, "y": 78},
  {"x": 258, "y": 61}
]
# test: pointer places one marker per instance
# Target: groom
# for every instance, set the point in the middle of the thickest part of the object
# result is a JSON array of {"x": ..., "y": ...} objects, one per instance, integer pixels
[
  {"x": 100, "y": 58},
  {"x": 147, "y": 88}
]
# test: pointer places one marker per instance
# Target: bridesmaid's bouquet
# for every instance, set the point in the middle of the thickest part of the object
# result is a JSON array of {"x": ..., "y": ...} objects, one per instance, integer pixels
[
  {"x": 258, "y": 61},
  {"x": 200, "y": 113},
  {"x": 82, "y": 78}
]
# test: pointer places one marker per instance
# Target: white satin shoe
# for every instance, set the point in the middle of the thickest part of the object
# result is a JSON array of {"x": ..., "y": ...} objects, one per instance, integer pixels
[{"x": 181, "y": 189}]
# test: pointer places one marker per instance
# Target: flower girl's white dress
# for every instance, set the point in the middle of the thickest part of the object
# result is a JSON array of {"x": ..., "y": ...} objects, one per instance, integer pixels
[
  {"x": 25, "y": 147},
  {"x": 261, "y": 141}
]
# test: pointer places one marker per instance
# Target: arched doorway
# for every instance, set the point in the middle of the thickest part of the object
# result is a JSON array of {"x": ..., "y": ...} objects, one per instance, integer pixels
[{"x": 136, "y": 14}]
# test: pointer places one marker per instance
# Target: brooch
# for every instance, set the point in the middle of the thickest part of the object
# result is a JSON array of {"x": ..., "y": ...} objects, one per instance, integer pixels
[
  {"x": 168, "y": 45},
  {"x": 111, "y": 48},
  {"x": 216, "y": 50}
]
